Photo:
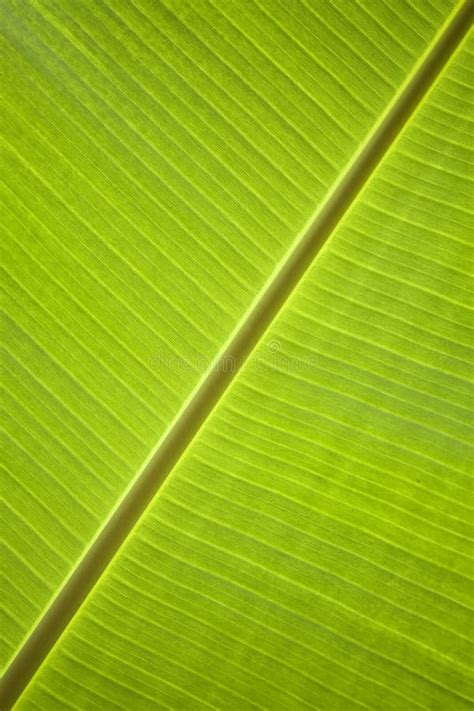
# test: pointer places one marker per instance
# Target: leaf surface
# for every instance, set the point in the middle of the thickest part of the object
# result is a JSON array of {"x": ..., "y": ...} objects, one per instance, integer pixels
[{"x": 313, "y": 546}]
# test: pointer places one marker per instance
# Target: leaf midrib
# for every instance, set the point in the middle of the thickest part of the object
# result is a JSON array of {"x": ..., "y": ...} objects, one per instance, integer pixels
[{"x": 248, "y": 332}]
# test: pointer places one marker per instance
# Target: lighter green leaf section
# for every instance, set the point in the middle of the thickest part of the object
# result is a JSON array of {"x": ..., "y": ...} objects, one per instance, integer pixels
[{"x": 313, "y": 548}]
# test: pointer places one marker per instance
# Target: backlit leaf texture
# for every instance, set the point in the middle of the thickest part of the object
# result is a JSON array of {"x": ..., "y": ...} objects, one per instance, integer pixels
[{"x": 313, "y": 546}]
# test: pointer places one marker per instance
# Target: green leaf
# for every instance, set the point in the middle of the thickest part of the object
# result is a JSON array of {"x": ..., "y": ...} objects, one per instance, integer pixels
[{"x": 172, "y": 172}]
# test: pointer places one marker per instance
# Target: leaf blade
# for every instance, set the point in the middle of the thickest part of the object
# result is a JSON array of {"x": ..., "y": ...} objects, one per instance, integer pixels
[{"x": 127, "y": 446}]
